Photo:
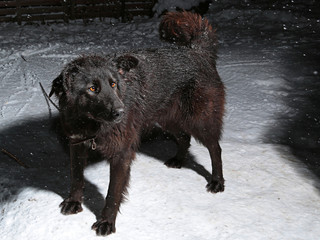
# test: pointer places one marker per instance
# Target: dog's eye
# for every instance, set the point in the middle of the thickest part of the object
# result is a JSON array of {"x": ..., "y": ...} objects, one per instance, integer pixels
[
  {"x": 113, "y": 84},
  {"x": 93, "y": 88}
]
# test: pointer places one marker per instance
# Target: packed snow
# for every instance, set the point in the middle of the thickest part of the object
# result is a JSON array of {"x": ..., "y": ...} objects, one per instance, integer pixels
[{"x": 268, "y": 63}]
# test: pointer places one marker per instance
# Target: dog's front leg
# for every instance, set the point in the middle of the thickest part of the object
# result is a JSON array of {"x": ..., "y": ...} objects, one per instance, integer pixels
[
  {"x": 119, "y": 178},
  {"x": 78, "y": 157}
]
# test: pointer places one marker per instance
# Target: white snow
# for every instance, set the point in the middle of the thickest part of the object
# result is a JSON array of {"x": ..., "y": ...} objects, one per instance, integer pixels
[{"x": 269, "y": 192}]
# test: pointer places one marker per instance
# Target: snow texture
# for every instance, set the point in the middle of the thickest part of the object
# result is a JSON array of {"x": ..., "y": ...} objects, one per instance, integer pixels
[{"x": 269, "y": 64}]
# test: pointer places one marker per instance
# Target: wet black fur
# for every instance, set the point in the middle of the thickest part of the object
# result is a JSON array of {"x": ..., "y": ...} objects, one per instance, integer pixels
[{"x": 177, "y": 88}]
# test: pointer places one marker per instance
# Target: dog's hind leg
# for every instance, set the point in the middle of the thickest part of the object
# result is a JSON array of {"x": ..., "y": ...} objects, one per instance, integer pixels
[
  {"x": 217, "y": 182},
  {"x": 208, "y": 134},
  {"x": 183, "y": 143}
]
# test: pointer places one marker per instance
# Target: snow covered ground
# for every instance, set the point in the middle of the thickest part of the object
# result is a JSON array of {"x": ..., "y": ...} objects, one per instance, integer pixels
[{"x": 269, "y": 63}]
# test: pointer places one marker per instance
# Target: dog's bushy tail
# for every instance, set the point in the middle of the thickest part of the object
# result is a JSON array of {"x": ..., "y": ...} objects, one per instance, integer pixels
[{"x": 188, "y": 29}]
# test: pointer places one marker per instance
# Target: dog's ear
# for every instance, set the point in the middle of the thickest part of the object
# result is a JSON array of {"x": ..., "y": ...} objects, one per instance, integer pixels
[
  {"x": 126, "y": 62},
  {"x": 57, "y": 86}
]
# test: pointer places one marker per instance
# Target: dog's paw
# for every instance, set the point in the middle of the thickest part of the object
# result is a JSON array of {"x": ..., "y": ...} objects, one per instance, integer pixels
[
  {"x": 215, "y": 186},
  {"x": 70, "y": 207},
  {"x": 104, "y": 227},
  {"x": 173, "y": 163}
]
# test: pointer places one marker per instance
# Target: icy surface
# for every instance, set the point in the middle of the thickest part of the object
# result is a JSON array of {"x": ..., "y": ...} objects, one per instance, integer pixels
[{"x": 271, "y": 76}]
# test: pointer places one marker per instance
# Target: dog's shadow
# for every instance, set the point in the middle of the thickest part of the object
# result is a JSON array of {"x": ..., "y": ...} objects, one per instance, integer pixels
[{"x": 38, "y": 144}]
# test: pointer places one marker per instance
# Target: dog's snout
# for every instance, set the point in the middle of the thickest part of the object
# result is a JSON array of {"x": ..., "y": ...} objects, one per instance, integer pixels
[{"x": 118, "y": 113}]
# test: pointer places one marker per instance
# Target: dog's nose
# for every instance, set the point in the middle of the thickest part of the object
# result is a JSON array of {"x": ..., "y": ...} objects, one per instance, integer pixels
[{"x": 118, "y": 113}]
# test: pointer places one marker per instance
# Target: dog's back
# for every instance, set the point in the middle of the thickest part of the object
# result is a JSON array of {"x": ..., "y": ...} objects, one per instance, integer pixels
[{"x": 181, "y": 83}]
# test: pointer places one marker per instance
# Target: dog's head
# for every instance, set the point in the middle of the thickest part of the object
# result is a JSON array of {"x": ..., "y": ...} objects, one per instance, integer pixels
[{"x": 93, "y": 87}]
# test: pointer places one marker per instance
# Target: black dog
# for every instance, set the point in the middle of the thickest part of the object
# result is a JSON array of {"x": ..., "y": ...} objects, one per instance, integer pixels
[{"x": 107, "y": 102}]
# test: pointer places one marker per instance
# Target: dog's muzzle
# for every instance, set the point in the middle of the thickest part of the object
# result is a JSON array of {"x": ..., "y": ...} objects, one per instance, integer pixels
[{"x": 117, "y": 114}]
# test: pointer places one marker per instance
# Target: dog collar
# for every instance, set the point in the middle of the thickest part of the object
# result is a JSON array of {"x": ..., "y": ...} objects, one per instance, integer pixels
[{"x": 91, "y": 140}]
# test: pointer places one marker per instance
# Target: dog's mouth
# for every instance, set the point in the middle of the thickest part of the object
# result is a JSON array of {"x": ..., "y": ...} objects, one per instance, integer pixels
[
  {"x": 118, "y": 120},
  {"x": 114, "y": 116}
]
